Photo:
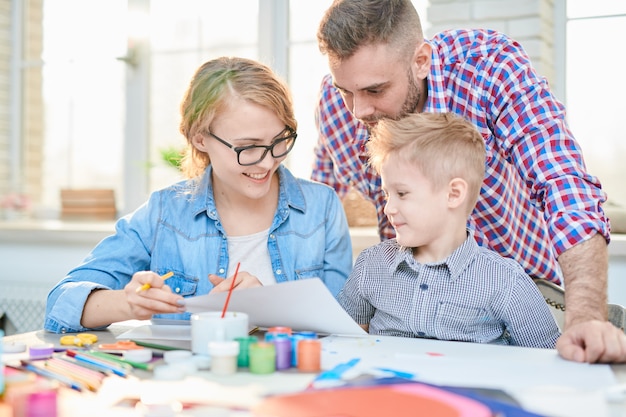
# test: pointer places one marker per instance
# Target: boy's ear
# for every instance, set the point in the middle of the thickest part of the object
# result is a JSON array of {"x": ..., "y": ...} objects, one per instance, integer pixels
[{"x": 457, "y": 192}]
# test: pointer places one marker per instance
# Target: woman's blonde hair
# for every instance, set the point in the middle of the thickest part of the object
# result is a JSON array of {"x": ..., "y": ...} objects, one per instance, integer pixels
[
  {"x": 209, "y": 93},
  {"x": 442, "y": 146}
]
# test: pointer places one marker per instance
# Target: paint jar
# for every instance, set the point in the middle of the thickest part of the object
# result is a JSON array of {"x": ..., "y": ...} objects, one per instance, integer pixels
[
  {"x": 272, "y": 332},
  {"x": 243, "y": 359},
  {"x": 42, "y": 404},
  {"x": 224, "y": 357},
  {"x": 295, "y": 338},
  {"x": 282, "y": 342},
  {"x": 262, "y": 358},
  {"x": 309, "y": 355}
]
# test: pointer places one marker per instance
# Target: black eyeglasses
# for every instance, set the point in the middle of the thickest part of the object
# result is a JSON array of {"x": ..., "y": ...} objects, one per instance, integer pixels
[{"x": 253, "y": 154}]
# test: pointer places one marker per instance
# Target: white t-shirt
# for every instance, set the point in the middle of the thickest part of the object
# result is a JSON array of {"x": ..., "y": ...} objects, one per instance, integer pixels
[{"x": 252, "y": 252}]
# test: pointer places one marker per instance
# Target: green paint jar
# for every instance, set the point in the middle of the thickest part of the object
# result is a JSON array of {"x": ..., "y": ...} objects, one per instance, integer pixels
[
  {"x": 243, "y": 359},
  {"x": 262, "y": 357}
]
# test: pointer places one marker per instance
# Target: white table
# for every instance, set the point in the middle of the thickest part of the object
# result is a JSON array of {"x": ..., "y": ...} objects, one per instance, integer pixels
[{"x": 538, "y": 378}]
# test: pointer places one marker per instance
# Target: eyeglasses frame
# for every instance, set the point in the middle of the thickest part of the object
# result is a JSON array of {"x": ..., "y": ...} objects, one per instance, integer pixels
[{"x": 268, "y": 148}]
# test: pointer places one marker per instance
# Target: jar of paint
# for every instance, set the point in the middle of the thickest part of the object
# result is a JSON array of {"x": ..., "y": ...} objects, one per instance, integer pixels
[
  {"x": 224, "y": 357},
  {"x": 309, "y": 355},
  {"x": 262, "y": 358}
]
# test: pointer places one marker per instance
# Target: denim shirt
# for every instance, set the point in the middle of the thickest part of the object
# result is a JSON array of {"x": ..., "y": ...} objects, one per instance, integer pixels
[{"x": 178, "y": 229}]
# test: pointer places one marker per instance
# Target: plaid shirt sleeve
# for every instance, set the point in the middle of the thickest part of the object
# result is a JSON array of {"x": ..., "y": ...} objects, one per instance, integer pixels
[
  {"x": 531, "y": 132},
  {"x": 323, "y": 166}
]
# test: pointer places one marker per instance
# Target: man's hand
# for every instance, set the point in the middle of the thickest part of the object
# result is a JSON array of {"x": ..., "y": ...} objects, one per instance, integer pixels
[{"x": 593, "y": 341}]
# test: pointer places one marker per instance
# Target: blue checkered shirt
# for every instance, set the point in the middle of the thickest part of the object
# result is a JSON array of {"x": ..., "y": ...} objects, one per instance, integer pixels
[{"x": 474, "y": 295}]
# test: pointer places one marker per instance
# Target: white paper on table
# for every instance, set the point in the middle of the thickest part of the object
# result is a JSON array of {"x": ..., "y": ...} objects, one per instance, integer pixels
[{"x": 302, "y": 305}]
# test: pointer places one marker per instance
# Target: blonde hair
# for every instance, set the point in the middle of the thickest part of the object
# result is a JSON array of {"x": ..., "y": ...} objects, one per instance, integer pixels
[
  {"x": 209, "y": 93},
  {"x": 442, "y": 146}
]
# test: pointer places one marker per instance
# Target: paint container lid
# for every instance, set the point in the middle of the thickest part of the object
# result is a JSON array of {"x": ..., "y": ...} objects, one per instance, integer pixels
[
  {"x": 172, "y": 356},
  {"x": 42, "y": 351},
  {"x": 138, "y": 355}
]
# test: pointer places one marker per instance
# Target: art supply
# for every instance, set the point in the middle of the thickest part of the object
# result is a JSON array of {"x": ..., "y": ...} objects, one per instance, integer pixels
[
  {"x": 243, "y": 359},
  {"x": 211, "y": 327},
  {"x": 138, "y": 360},
  {"x": 156, "y": 346},
  {"x": 88, "y": 377},
  {"x": 168, "y": 373},
  {"x": 147, "y": 286},
  {"x": 137, "y": 356},
  {"x": 332, "y": 377},
  {"x": 13, "y": 347},
  {"x": 224, "y": 357},
  {"x": 283, "y": 351},
  {"x": 80, "y": 339},
  {"x": 309, "y": 355},
  {"x": 262, "y": 358},
  {"x": 174, "y": 356},
  {"x": 99, "y": 363},
  {"x": 230, "y": 290},
  {"x": 119, "y": 346},
  {"x": 295, "y": 338},
  {"x": 276, "y": 330},
  {"x": 43, "y": 351},
  {"x": 42, "y": 404},
  {"x": 62, "y": 379}
]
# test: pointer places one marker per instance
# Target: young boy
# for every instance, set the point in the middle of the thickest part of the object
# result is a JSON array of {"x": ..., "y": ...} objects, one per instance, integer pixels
[{"x": 433, "y": 280}]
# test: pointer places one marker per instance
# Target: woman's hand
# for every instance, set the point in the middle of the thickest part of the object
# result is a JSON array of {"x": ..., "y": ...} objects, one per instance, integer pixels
[
  {"x": 157, "y": 299},
  {"x": 244, "y": 280}
]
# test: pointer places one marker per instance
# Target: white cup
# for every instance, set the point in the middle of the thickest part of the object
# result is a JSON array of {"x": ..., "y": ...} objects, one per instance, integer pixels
[{"x": 211, "y": 327}]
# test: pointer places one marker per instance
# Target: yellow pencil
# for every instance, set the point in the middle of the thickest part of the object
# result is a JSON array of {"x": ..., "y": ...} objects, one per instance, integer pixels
[{"x": 147, "y": 286}]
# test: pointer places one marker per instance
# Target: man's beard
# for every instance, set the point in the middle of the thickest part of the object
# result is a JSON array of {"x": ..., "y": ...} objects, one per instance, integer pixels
[{"x": 413, "y": 97}]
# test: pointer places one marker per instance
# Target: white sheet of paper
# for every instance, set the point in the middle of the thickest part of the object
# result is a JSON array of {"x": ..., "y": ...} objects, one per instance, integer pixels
[{"x": 302, "y": 305}]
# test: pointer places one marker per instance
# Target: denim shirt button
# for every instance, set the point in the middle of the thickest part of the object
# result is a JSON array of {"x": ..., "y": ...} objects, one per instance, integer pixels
[
  {"x": 221, "y": 270},
  {"x": 272, "y": 236},
  {"x": 279, "y": 272},
  {"x": 177, "y": 290}
]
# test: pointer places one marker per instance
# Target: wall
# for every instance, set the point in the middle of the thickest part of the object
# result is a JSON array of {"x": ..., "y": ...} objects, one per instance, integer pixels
[{"x": 529, "y": 22}]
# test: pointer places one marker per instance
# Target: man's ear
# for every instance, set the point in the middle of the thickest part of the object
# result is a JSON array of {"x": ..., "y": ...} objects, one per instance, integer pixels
[
  {"x": 422, "y": 58},
  {"x": 457, "y": 192}
]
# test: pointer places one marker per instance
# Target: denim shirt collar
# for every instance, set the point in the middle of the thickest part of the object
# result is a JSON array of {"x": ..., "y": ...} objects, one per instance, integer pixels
[{"x": 290, "y": 195}]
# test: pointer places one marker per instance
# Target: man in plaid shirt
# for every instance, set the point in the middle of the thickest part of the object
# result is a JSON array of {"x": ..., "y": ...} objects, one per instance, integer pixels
[{"x": 538, "y": 204}]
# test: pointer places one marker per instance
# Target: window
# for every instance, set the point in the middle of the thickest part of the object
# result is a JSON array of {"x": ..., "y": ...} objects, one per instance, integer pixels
[
  {"x": 88, "y": 61},
  {"x": 595, "y": 89}
]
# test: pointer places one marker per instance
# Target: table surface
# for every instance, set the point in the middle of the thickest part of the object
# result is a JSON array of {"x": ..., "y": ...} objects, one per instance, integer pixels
[{"x": 524, "y": 373}]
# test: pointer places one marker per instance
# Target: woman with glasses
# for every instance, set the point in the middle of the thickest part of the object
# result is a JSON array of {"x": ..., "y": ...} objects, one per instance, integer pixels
[{"x": 238, "y": 208}]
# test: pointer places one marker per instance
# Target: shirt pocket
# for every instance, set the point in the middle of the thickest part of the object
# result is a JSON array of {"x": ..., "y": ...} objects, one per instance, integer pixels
[
  {"x": 465, "y": 323},
  {"x": 316, "y": 271},
  {"x": 182, "y": 285}
]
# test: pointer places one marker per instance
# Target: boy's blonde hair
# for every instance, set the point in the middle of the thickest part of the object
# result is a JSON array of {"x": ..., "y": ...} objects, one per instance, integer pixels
[{"x": 442, "y": 146}]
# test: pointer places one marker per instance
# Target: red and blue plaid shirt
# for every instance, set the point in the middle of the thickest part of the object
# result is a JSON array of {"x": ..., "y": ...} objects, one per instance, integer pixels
[{"x": 537, "y": 200}]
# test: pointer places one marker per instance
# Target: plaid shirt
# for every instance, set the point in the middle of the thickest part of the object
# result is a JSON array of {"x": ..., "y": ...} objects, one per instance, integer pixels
[
  {"x": 474, "y": 295},
  {"x": 537, "y": 199}
]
